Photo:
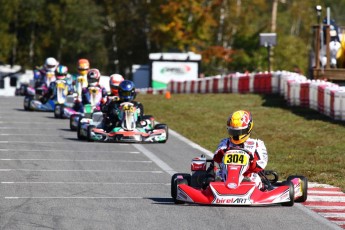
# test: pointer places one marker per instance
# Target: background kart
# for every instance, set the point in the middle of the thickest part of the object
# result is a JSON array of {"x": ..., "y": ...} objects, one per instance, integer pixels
[
  {"x": 234, "y": 189},
  {"x": 64, "y": 102},
  {"x": 95, "y": 97},
  {"x": 32, "y": 101},
  {"x": 130, "y": 129}
]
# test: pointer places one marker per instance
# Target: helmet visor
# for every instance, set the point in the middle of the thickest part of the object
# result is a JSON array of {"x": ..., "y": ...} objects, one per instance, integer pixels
[
  {"x": 237, "y": 132},
  {"x": 92, "y": 80},
  {"x": 126, "y": 93}
]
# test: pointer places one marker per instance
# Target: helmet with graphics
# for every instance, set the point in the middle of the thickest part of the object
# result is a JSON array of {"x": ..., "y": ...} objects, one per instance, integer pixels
[{"x": 239, "y": 126}]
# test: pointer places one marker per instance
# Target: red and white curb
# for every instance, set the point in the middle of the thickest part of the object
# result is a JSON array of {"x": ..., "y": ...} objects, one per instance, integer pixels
[{"x": 328, "y": 201}]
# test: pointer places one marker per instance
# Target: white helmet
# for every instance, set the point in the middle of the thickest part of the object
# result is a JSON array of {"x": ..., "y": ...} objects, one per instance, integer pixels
[{"x": 51, "y": 64}]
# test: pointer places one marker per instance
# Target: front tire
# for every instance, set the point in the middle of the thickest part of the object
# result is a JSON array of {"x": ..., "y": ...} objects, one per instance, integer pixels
[
  {"x": 165, "y": 127},
  {"x": 79, "y": 135},
  {"x": 291, "y": 195},
  {"x": 176, "y": 181},
  {"x": 27, "y": 102},
  {"x": 304, "y": 187},
  {"x": 58, "y": 111},
  {"x": 89, "y": 129}
]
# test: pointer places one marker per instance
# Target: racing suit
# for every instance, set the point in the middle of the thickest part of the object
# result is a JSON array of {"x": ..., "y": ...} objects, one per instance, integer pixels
[
  {"x": 110, "y": 112},
  {"x": 52, "y": 93},
  {"x": 259, "y": 157},
  {"x": 86, "y": 99}
]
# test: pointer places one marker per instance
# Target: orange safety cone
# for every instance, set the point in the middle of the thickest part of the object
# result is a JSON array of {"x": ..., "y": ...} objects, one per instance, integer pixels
[{"x": 167, "y": 95}]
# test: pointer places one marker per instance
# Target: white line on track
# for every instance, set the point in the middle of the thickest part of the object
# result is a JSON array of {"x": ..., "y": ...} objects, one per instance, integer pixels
[
  {"x": 325, "y": 192},
  {"x": 326, "y": 207},
  {"x": 31, "y": 122},
  {"x": 26, "y": 134},
  {"x": 78, "y": 183},
  {"x": 155, "y": 159},
  {"x": 67, "y": 160},
  {"x": 75, "y": 170},
  {"x": 326, "y": 198},
  {"x": 334, "y": 215},
  {"x": 194, "y": 145},
  {"x": 71, "y": 197},
  {"x": 61, "y": 150}
]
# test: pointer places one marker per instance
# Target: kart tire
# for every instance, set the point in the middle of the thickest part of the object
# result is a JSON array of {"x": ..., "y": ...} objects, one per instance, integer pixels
[
  {"x": 80, "y": 137},
  {"x": 58, "y": 111},
  {"x": 291, "y": 194},
  {"x": 89, "y": 128},
  {"x": 71, "y": 118},
  {"x": 165, "y": 127},
  {"x": 304, "y": 187},
  {"x": 27, "y": 102},
  {"x": 173, "y": 184}
]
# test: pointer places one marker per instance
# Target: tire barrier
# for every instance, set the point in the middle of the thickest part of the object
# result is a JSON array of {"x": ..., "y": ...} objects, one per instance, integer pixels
[{"x": 325, "y": 97}]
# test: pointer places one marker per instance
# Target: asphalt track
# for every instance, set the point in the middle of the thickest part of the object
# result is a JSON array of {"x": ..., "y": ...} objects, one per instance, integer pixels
[{"x": 51, "y": 180}]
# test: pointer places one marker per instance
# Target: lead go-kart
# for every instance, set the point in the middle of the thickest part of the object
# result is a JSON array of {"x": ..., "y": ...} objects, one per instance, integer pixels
[
  {"x": 233, "y": 188},
  {"x": 129, "y": 130}
]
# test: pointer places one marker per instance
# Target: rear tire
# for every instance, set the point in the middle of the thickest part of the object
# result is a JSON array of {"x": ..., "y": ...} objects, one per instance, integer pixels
[
  {"x": 165, "y": 127},
  {"x": 291, "y": 194},
  {"x": 304, "y": 187}
]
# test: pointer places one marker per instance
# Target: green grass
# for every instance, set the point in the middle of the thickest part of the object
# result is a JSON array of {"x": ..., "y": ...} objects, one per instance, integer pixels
[{"x": 298, "y": 140}]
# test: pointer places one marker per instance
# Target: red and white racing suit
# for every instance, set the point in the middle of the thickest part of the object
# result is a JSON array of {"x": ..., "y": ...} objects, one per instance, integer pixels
[{"x": 259, "y": 153}]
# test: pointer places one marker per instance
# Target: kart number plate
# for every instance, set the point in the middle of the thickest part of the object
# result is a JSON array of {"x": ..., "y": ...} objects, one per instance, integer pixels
[{"x": 235, "y": 158}]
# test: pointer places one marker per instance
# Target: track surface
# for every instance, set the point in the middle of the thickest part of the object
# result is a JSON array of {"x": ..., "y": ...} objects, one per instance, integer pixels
[{"x": 51, "y": 180}]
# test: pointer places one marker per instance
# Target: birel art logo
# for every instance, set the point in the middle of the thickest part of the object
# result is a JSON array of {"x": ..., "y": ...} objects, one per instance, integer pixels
[
  {"x": 176, "y": 70},
  {"x": 230, "y": 201}
]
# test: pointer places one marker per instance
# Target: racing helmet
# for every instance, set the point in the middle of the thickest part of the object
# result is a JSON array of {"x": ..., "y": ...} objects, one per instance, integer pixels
[
  {"x": 61, "y": 72},
  {"x": 83, "y": 66},
  {"x": 50, "y": 64},
  {"x": 93, "y": 77},
  {"x": 127, "y": 91},
  {"x": 114, "y": 82},
  {"x": 239, "y": 126}
]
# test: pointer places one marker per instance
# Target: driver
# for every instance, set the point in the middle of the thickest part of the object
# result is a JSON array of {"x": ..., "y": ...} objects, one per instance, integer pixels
[
  {"x": 126, "y": 93},
  {"x": 93, "y": 78},
  {"x": 61, "y": 73},
  {"x": 239, "y": 126},
  {"x": 44, "y": 75}
]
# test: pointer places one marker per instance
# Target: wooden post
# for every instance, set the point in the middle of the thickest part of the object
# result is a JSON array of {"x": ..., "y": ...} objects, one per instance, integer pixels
[
  {"x": 317, "y": 46},
  {"x": 328, "y": 52}
]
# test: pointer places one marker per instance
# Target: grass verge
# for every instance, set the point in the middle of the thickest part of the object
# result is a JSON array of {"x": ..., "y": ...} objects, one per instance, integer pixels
[{"x": 299, "y": 140}]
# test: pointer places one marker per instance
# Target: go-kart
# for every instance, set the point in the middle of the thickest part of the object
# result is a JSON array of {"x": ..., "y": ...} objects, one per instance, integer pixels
[
  {"x": 232, "y": 188},
  {"x": 128, "y": 128},
  {"x": 95, "y": 97},
  {"x": 33, "y": 101},
  {"x": 64, "y": 102}
]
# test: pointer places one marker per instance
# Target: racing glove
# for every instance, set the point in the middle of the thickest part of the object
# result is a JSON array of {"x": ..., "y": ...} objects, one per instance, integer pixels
[{"x": 219, "y": 155}]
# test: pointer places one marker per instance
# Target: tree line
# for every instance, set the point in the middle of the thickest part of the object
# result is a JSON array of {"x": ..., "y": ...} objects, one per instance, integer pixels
[{"x": 115, "y": 34}]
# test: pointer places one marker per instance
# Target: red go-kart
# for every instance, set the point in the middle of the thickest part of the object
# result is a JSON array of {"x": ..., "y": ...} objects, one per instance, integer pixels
[{"x": 233, "y": 188}]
